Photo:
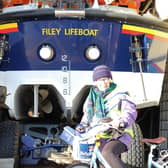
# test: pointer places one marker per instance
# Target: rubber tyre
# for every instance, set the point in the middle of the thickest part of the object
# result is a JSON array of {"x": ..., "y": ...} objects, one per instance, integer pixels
[
  {"x": 163, "y": 124},
  {"x": 134, "y": 158},
  {"x": 78, "y": 165},
  {"x": 10, "y": 140},
  {"x": 4, "y": 115}
]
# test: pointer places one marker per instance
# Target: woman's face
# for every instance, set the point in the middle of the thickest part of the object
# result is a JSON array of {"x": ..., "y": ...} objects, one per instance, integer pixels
[{"x": 103, "y": 83}]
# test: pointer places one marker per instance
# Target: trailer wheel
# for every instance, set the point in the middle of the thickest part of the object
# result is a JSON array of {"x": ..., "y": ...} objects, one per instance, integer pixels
[
  {"x": 163, "y": 119},
  {"x": 78, "y": 165},
  {"x": 134, "y": 158},
  {"x": 4, "y": 115},
  {"x": 9, "y": 141}
]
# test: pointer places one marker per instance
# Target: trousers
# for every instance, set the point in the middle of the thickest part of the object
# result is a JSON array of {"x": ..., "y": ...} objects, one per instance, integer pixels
[{"x": 111, "y": 152}]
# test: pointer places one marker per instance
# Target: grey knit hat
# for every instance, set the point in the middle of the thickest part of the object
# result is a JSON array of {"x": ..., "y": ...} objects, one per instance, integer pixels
[{"x": 101, "y": 71}]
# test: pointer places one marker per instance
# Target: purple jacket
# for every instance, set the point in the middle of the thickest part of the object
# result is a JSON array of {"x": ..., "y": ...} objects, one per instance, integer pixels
[{"x": 118, "y": 104}]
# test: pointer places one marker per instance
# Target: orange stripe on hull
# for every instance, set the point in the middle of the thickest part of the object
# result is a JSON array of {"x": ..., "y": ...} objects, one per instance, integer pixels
[
  {"x": 148, "y": 35},
  {"x": 10, "y": 30}
]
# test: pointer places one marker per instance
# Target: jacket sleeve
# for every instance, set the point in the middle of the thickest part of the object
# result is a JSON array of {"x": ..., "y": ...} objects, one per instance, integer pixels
[{"x": 128, "y": 111}]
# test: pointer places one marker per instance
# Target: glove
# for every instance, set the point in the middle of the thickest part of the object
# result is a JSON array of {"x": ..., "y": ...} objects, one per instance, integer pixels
[{"x": 81, "y": 127}]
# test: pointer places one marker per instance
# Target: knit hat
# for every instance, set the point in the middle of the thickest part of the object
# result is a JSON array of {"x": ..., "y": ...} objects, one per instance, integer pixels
[{"x": 101, "y": 71}]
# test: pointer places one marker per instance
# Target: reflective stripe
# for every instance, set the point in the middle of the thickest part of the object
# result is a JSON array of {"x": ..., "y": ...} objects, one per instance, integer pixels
[
  {"x": 105, "y": 136},
  {"x": 129, "y": 131}
]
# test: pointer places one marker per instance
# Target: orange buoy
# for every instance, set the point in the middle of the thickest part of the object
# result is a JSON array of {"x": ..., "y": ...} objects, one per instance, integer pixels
[
  {"x": 128, "y": 3},
  {"x": 9, "y": 3},
  {"x": 131, "y": 3}
]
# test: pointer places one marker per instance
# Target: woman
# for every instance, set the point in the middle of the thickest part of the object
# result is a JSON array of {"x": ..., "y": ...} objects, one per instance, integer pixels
[{"x": 107, "y": 100}]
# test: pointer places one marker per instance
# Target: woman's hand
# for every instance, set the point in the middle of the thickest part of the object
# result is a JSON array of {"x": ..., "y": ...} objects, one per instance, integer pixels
[{"x": 80, "y": 129}]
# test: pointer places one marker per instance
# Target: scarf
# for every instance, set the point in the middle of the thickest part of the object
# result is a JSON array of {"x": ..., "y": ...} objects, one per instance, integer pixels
[{"x": 96, "y": 99}]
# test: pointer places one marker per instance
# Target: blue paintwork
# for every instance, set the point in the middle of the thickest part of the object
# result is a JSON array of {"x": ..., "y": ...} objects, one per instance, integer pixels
[
  {"x": 30, "y": 147},
  {"x": 36, "y": 144},
  {"x": 115, "y": 46},
  {"x": 24, "y": 46}
]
